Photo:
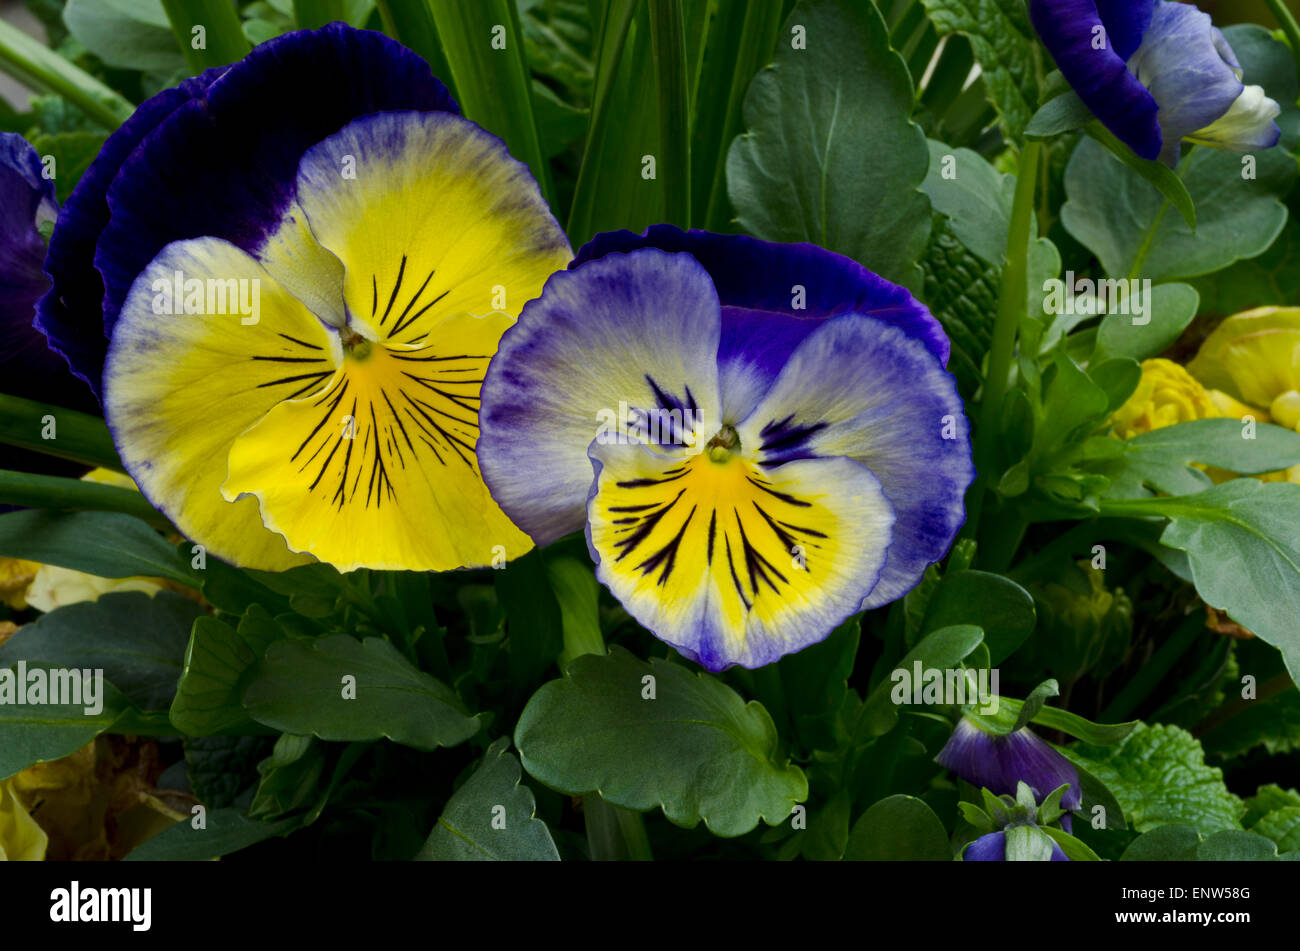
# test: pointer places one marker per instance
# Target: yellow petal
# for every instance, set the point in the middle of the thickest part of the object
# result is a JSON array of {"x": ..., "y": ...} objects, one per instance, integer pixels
[
  {"x": 431, "y": 218},
  {"x": 1253, "y": 356},
  {"x": 379, "y": 470},
  {"x": 180, "y": 388},
  {"x": 21, "y": 839},
  {"x": 730, "y": 562}
]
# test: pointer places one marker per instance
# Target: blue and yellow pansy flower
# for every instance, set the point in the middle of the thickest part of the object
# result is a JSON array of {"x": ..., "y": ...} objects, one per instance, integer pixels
[
  {"x": 1156, "y": 73},
  {"x": 307, "y": 263},
  {"x": 761, "y": 439}
]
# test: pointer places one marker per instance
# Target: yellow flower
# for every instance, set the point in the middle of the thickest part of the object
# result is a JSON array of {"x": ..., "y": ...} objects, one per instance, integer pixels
[
  {"x": 21, "y": 839},
  {"x": 1254, "y": 357},
  {"x": 1167, "y": 394},
  {"x": 46, "y": 587}
]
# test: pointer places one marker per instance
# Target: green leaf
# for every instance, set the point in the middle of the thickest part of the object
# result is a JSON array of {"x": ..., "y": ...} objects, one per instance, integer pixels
[
  {"x": 1233, "y": 845},
  {"x": 1268, "y": 799},
  {"x": 79, "y": 437},
  {"x": 72, "y": 152},
  {"x": 314, "y": 14},
  {"x": 41, "y": 733},
  {"x": 1065, "y": 113},
  {"x": 137, "y": 640},
  {"x": 1074, "y": 849},
  {"x": 493, "y": 84},
  {"x": 578, "y": 594},
  {"x": 741, "y": 41},
  {"x": 1071, "y": 724},
  {"x": 126, "y": 34},
  {"x": 1242, "y": 540},
  {"x": 961, "y": 290},
  {"x": 799, "y": 173},
  {"x": 1162, "y": 458},
  {"x": 1273, "y": 723},
  {"x": 223, "y": 36},
  {"x": 220, "y": 768},
  {"x": 491, "y": 818},
  {"x": 696, "y": 750},
  {"x": 1238, "y": 217},
  {"x": 1267, "y": 279},
  {"x": 290, "y": 777},
  {"x": 1169, "y": 310},
  {"x": 1282, "y": 826},
  {"x": 943, "y": 649},
  {"x": 814, "y": 683},
  {"x": 533, "y": 616},
  {"x": 899, "y": 829},
  {"x": 225, "y": 831},
  {"x": 611, "y": 191},
  {"x": 105, "y": 544},
  {"x": 1159, "y": 776},
  {"x": 673, "y": 106},
  {"x": 1170, "y": 843},
  {"x": 1003, "y": 609},
  {"x": 216, "y": 668},
  {"x": 299, "y": 687},
  {"x": 1004, "y": 43},
  {"x": 1165, "y": 179}
]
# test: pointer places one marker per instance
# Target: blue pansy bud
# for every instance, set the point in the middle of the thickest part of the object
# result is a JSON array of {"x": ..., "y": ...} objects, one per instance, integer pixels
[
  {"x": 1155, "y": 73},
  {"x": 993, "y": 847},
  {"x": 1000, "y": 763}
]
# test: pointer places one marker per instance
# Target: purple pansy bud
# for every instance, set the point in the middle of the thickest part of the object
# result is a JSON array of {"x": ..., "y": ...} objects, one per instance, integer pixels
[
  {"x": 1156, "y": 73},
  {"x": 999, "y": 763}
]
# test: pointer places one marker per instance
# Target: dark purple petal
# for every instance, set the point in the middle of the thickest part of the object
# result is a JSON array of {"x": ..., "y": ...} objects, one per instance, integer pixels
[
  {"x": 987, "y": 848},
  {"x": 28, "y": 368},
  {"x": 1126, "y": 21},
  {"x": 222, "y": 161},
  {"x": 71, "y": 314},
  {"x": 999, "y": 763},
  {"x": 756, "y": 283},
  {"x": 1101, "y": 77},
  {"x": 993, "y": 848}
]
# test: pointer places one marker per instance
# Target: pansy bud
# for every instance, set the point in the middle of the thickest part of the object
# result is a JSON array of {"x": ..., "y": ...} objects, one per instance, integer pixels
[
  {"x": 999, "y": 763},
  {"x": 1155, "y": 73}
]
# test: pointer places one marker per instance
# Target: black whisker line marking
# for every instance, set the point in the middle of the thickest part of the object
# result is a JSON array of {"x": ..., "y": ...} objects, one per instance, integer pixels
[
  {"x": 667, "y": 555},
  {"x": 401, "y": 324},
  {"x": 451, "y": 439},
  {"x": 735, "y": 578},
  {"x": 302, "y": 343},
  {"x": 347, "y": 459},
  {"x": 648, "y": 523},
  {"x": 323, "y": 420},
  {"x": 713, "y": 528},
  {"x": 437, "y": 359},
  {"x": 295, "y": 379},
  {"x": 291, "y": 359},
  {"x": 788, "y": 499},
  {"x": 374, "y": 296},
  {"x": 415, "y": 297},
  {"x": 401, "y": 270}
]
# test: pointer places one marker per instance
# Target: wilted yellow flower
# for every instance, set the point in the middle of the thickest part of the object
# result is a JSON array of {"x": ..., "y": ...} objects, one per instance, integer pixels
[
  {"x": 15, "y": 577},
  {"x": 1167, "y": 394},
  {"x": 21, "y": 839},
  {"x": 1255, "y": 357}
]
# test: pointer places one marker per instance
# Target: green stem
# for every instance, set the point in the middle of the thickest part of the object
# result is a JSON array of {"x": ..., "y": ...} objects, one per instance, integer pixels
[
  {"x": 223, "y": 36},
  {"x": 39, "y": 67},
  {"x": 668, "y": 43},
  {"x": 1013, "y": 304},
  {"x": 1154, "y": 670},
  {"x": 54, "y": 492},
  {"x": 78, "y": 437},
  {"x": 613, "y": 833},
  {"x": 1286, "y": 19}
]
